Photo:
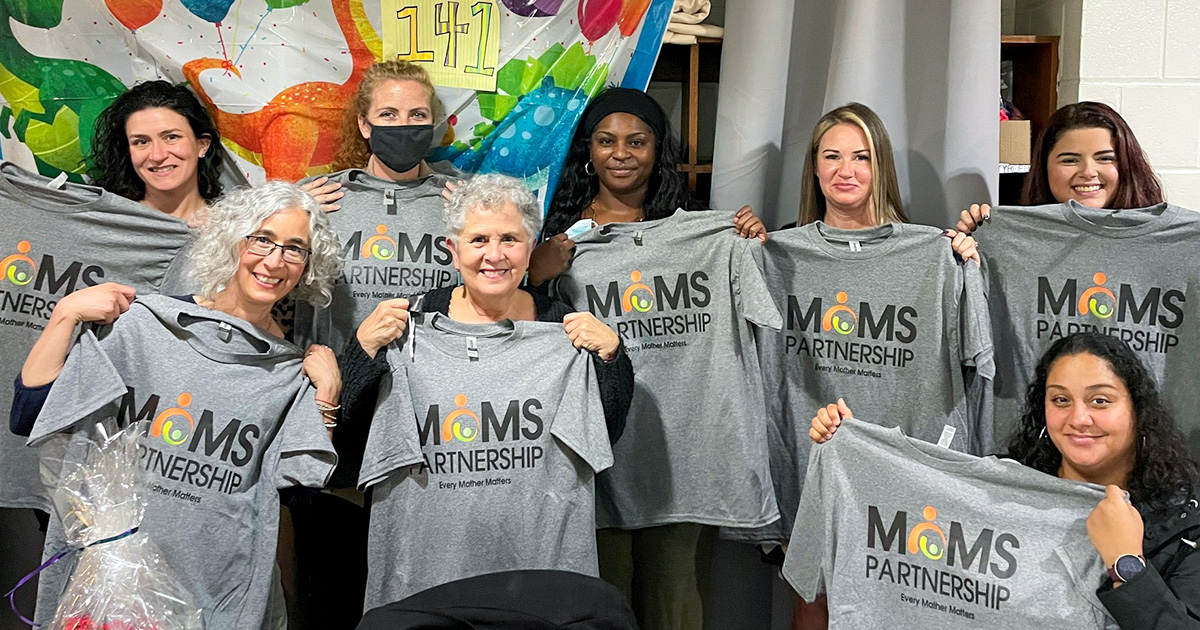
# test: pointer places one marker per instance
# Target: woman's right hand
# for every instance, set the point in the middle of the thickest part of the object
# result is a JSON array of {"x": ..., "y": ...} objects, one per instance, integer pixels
[
  {"x": 103, "y": 303},
  {"x": 550, "y": 259},
  {"x": 384, "y": 325},
  {"x": 326, "y": 192},
  {"x": 827, "y": 420},
  {"x": 970, "y": 219},
  {"x": 448, "y": 190}
]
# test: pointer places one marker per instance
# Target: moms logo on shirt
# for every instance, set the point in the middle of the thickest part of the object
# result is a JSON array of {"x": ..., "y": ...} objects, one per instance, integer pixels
[
  {"x": 856, "y": 333},
  {"x": 677, "y": 300},
  {"x": 1142, "y": 318},
  {"x": 209, "y": 451},
  {"x": 893, "y": 323},
  {"x": 382, "y": 246},
  {"x": 417, "y": 266},
  {"x": 519, "y": 421},
  {"x": 25, "y": 271},
  {"x": 962, "y": 551}
]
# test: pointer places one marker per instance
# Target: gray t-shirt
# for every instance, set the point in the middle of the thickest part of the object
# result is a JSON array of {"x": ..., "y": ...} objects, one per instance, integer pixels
[
  {"x": 481, "y": 456},
  {"x": 394, "y": 244},
  {"x": 1134, "y": 274},
  {"x": 900, "y": 533},
  {"x": 232, "y": 419},
  {"x": 179, "y": 279},
  {"x": 53, "y": 242},
  {"x": 682, "y": 292},
  {"x": 883, "y": 317}
]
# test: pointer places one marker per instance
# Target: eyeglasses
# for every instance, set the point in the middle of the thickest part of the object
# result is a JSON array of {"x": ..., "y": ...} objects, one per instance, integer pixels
[{"x": 263, "y": 246}]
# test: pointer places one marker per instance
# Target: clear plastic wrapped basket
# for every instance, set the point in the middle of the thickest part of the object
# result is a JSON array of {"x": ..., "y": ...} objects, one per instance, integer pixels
[{"x": 120, "y": 580}]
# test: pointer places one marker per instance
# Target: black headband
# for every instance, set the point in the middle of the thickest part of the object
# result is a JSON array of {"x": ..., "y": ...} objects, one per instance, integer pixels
[{"x": 628, "y": 101}]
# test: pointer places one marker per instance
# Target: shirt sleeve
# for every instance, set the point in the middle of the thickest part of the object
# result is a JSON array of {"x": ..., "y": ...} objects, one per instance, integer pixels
[
  {"x": 27, "y": 404},
  {"x": 812, "y": 540},
  {"x": 306, "y": 456},
  {"x": 393, "y": 442},
  {"x": 751, "y": 297},
  {"x": 976, "y": 354},
  {"x": 579, "y": 421},
  {"x": 88, "y": 382}
]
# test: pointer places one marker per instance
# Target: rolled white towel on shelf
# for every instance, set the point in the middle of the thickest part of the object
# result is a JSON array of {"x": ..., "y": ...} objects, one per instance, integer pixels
[
  {"x": 690, "y": 11},
  {"x": 701, "y": 30},
  {"x": 678, "y": 39}
]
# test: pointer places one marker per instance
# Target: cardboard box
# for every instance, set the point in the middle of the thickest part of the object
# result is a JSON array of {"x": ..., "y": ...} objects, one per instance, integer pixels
[{"x": 1014, "y": 141}]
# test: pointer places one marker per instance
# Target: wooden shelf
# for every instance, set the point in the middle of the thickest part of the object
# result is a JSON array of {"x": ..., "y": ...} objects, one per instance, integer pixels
[
  {"x": 690, "y": 65},
  {"x": 1035, "y": 93},
  {"x": 1035, "y": 76}
]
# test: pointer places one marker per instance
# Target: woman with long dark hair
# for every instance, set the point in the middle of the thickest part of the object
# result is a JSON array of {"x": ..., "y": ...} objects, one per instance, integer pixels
[
  {"x": 622, "y": 167},
  {"x": 1086, "y": 153},
  {"x": 1094, "y": 414},
  {"x": 157, "y": 145}
]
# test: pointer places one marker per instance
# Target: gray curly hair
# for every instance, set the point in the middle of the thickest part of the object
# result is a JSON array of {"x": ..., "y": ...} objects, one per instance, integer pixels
[
  {"x": 241, "y": 212},
  {"x": 489, "y": 193}
]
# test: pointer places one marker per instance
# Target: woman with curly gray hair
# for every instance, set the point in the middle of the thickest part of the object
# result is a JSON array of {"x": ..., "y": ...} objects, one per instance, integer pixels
[{"x": 235, "y": 412}]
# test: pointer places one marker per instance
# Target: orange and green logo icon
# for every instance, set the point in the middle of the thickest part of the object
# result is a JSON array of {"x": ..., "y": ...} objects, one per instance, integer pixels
[
  {"x": 461, "y": 424},
  {"x": 839, "y": 317},
  {"x": 175, "y": 424},
  {"x": 638, "y": 296},
  {"x": 18, "y": 268},
  {"x": 927, "y": 538},
  {"x": 1098, "y": 300},
  {"x": 381, "y": 246}
]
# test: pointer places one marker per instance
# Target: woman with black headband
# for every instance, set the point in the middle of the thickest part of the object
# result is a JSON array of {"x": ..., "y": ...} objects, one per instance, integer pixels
[{"x": 621, "y": 168}]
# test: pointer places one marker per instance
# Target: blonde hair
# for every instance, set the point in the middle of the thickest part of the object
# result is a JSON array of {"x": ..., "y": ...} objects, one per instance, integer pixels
[
  {"x": 352, "y": 150},
  {"x": 885, "y": 189}
]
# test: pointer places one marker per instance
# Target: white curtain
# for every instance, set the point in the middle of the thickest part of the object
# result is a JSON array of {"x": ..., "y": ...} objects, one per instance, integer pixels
[{"x": 929, "y": 68}]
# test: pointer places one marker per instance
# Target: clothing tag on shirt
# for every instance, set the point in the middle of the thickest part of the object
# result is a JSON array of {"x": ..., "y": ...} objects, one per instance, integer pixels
[
  {"x": 947, "y": 436},
  {"x": 389, "y": 200},
  {"x": 855, "y": 246},
  {"x": 58, "y": 181},
  {"x": 472, "y": 349}
]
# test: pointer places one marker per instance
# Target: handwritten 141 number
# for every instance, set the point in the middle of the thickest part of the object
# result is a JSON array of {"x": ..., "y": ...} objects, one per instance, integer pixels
[{"x": 447, "y": 25}]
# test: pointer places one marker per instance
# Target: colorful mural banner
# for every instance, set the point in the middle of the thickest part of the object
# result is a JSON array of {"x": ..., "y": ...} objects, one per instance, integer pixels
[
  {"x": 456, "y": 42},
  {"x": 276, "y": 74}
]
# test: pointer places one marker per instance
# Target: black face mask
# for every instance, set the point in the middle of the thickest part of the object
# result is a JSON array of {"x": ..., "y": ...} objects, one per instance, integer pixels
[{"x": 400, "y": 147}]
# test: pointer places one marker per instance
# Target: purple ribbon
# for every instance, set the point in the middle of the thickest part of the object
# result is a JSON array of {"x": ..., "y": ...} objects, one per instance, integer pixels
[{"x": 11, "y": 595}]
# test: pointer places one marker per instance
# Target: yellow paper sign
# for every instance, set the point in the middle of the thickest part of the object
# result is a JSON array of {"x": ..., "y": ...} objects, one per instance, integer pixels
[{"x": 458, "y": 43}]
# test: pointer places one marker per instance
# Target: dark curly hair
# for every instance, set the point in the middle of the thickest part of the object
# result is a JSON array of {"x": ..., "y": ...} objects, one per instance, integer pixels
[
  {"x": 1138, "y": 186},
  {"x": 110, "y": 166},
  {"x": 666, "y": 191},
  {"x": 1164, "y": 473}
]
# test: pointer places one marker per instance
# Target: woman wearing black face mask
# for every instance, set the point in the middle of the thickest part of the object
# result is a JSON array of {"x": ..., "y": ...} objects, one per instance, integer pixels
[{"x": 390, "y": 226}]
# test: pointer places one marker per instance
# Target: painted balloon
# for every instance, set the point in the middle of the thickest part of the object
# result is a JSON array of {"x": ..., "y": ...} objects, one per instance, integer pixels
[
  {"x": 632, "y": 12},
  {"x": 134, "y": 14},
  {"x": 209, "y": 10},
  {"x": 598, "y": 17},
  {"x": 534, "y": 8}
]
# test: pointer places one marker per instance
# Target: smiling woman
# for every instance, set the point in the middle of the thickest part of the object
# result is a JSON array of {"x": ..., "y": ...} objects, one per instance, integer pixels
[
  {"x": 1094, "y": 414},
  {"x": 256, "y": 246},
  {"x": 157, "y": 145}
]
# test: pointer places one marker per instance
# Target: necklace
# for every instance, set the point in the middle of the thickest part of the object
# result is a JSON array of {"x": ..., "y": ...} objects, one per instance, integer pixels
[{"x": 590, "y": 213}]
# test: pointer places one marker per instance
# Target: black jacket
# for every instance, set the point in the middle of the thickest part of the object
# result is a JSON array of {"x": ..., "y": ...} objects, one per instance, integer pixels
[
  {"x": 520, "y": 600},
  {"x": 361, "y": 376},
  {"x": 1166, "y": 596}
]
